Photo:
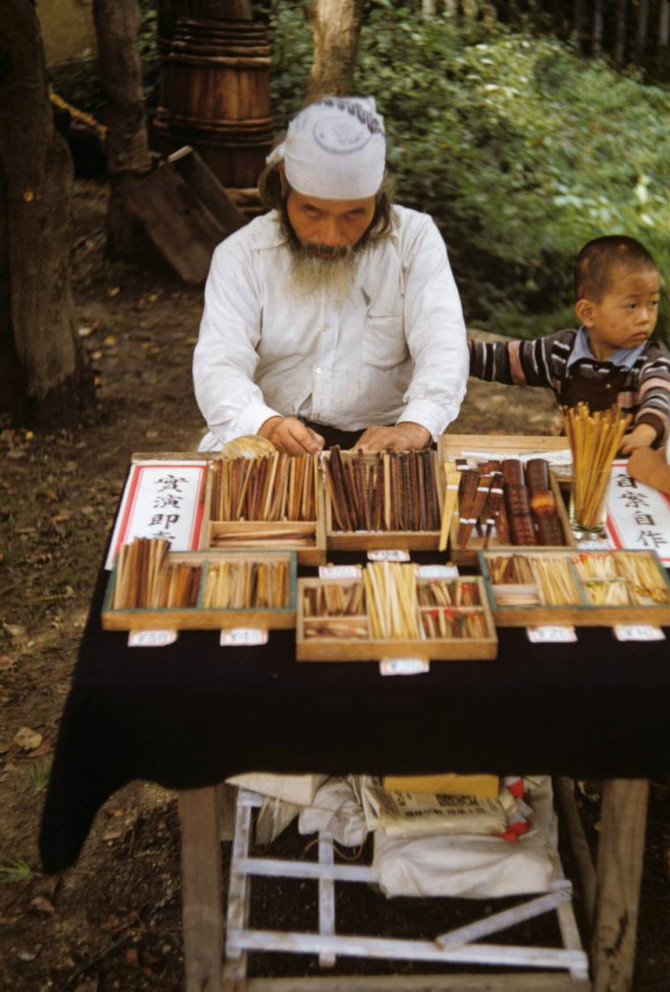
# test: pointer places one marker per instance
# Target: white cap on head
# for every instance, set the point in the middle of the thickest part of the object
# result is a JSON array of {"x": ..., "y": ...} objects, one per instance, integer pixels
[{"x": 335, "y": 149}]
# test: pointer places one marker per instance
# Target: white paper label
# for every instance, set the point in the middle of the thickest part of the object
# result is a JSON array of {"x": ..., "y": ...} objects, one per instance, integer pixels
[
  {"x": 551, "y": 635},
  {"x": 238, "y": 637},
  {"x": 596, "y": 545},
  {"x": 437, "y": 572},
  {"x": 339, "y": 571},
  {"x": 404, "y": 666},
  {"x": 151, "y": 638},
  {"x": 639, "y": 632},
  {"x": 388, "y": 554}
]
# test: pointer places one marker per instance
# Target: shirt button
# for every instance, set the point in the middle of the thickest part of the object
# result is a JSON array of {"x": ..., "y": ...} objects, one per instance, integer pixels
[{"x": 317, "y": 371}]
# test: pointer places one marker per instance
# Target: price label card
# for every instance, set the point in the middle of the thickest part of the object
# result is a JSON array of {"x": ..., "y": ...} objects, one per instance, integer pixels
[
  {"x": 601, "y": 544},
  {"x": 641, "y": 632},
  {"x": 339, "y": 571},
  {"x": 437, "y": 572},
  {"x": 151, "y": 638},
  {"x": 238, "y": 637},
  {"x": 551, "y": 635},
  {"x": 404, "y": 666},
  {"x": 388, "y": 554}
]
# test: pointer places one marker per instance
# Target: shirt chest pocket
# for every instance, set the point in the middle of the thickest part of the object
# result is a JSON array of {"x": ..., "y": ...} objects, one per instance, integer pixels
[{"x": 384, "y": 344}]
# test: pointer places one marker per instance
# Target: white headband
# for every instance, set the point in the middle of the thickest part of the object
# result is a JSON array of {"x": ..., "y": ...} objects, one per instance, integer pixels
[{"x": 335, "y": 149}]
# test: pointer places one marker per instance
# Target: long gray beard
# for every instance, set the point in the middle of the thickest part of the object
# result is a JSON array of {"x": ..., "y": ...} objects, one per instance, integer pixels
[{"x": 310, "y": 274}]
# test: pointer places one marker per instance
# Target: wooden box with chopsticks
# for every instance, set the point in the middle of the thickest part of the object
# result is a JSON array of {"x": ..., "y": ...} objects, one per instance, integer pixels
[
  {"x": 274, "y": 501},
  {"x": 532, "y": 587},
  {"x": 151, "y": 588},
  {"x": 507, "y": 493},
  {"x": 392, "y": 612},
  {"x": 382, "y": 500}
]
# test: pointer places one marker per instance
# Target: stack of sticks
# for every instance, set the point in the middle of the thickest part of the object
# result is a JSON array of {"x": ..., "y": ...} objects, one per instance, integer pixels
[
  {"x": 239, "y": 585},
  {"x": 145, "y": 579},
  {"x": 594, "y": 440},
  {"x": 455, "y": 592},
  {"x": 271, "y": 488},
  {"x": 545, "y": 581},
  {"x": 450, "y": 624},
  {"x": 385, "y": 491},
  {"x": 391, "y": 595},
  {"x": 624, "y": 577},
  {"x": 334, "y": 599}
]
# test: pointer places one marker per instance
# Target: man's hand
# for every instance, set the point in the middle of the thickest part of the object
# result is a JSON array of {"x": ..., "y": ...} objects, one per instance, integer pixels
[
  {"x": 642, "y": 437},
  {"x": 402, "y": 437},
  {"x": 290, "y": 435}
]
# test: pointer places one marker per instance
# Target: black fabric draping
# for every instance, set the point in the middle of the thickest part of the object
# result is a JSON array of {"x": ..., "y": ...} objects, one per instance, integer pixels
[{"x": 193, "y": 713}]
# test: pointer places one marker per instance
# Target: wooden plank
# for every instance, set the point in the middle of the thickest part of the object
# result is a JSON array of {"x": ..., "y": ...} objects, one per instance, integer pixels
[
  {"x": 177, "y": 222},
  {"x": 504, "y": 919},
  {"x": 202, "y": 907},
  {"x": 509, "y": 982},
  {"x": 207, "y": 187},
  {"x": 570, "y": 819},
  {"x": 227, "y": 797},
  {"x": 619, "y": 870},
  {"x": 326, "y": 896}
]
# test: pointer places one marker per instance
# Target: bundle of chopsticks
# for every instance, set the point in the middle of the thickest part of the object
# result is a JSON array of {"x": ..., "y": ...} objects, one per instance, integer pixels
[
  {"x": 145, "y": 579},
  {"x": 594, "y": 440},
  {"x": 270, "y": 488},
  {"x": 384, "y": 491},
  {"x": 391, "y": 596},
  {"x": 246, "y": 584}
]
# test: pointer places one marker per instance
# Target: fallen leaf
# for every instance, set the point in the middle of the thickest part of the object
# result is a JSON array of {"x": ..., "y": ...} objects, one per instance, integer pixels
[
  {"x": 115, "y": 291},
  {"x": 132, "y": 957},
  {"x": 28, "y": 739},
  {"x": 6, "y": 661},
  {"x": 14, "y": 630},
  {"x": 42, "y": 905},
  {"x": 151, "y": 435},
  {"x": 84, "y": 332},
  {"x": 109, "y": 340}
]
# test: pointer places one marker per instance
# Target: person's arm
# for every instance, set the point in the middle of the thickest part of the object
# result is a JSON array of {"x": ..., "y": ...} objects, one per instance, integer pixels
[
  {"x": 513, "y": 362},
  {"x": 225, "y": 359},
  {"x": 651, "y": 468},
  {"x": 654, "y": 396}
]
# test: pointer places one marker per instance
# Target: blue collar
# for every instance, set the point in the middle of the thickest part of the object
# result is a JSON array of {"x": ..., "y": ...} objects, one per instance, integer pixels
[{"x": 624, "y": 357}]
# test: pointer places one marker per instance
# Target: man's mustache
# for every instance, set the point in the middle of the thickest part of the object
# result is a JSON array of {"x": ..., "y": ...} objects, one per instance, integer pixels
[{"x": 329, "y": 251}]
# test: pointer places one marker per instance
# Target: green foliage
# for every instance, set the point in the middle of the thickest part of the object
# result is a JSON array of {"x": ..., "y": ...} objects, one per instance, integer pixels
[
  {"x": 15, "y": 870},
  {"x": 520, "y": 150}
]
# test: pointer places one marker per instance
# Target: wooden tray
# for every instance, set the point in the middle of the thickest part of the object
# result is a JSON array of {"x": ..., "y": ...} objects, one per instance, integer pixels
[
  {"x": 368, "y": 540},
  {"x": 582, "y": 613},
  {"x": 468, "y": 554},
  {"x": 248, "y": 531},
  {"x": 450, "y": 446},
  {"x": 366, "y": 649},
  {"x": 199, "y": 618}
]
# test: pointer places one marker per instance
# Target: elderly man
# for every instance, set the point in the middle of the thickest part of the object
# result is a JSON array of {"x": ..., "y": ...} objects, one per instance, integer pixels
[{"x": 336, "y": 315}]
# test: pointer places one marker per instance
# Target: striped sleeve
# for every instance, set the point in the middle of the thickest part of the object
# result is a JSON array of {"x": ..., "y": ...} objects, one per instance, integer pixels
[
  {"x": 517, "y": 363},
  {"x": 653, "y": 393}
]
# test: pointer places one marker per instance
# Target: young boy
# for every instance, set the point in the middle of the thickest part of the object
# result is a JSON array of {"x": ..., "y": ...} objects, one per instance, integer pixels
[{"x": 611, "y": 358}]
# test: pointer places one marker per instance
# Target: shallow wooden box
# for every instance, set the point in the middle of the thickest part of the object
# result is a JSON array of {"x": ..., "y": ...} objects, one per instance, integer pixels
[
  {"x": 312, "y": 554},
  {"x": 582, "y": 614},
  {"x": 198, "y": 617},
  {"x": 366, "y": 649},
  {"x": 370, "y": 540},
  {"x": 452, "y": 446}
]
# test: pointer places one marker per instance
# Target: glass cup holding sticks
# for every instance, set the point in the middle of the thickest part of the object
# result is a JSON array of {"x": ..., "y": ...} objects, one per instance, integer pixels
[{"x": 594, "y": 441}]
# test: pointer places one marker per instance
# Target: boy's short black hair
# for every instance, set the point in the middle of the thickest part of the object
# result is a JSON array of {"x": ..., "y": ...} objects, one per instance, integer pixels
[{"x": 594, "y": 264}]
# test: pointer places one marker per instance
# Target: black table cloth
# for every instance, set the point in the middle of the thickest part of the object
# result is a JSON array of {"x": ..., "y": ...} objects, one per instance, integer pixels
[{"x": 191, "y": 714}]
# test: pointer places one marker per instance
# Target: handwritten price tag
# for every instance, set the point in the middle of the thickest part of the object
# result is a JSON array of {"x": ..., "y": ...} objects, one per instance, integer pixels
[
  {"x": 339, "y": 571},
  {"x": 437, "y": 572},
  {"x": 642, "y": 632},
  {"x": 238, "y": 637},
  {"x": 388, "y": 554},
  {"x": 404, "y": 666},
  {"x": 551, "y": 635},
  {"x": 151, "y": 638}
]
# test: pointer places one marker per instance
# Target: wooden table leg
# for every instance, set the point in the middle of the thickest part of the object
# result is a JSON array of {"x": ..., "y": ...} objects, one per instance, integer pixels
[
  {"x": 619, "y": 870},
  {"x": 202, "y": 896}
]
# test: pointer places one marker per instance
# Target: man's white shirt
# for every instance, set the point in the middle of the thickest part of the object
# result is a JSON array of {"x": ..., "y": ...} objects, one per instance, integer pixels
[{"x": 393, "y": 350}]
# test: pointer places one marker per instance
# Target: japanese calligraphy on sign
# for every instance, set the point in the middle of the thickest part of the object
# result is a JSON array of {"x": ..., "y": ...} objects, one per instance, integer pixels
[
  {"x": 161, "y": 499},
  {"x": 637, "y": 515}
]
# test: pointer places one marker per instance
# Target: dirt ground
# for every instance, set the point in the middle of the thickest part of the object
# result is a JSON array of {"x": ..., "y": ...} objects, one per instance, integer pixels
[{"x": 113, "y": 921}]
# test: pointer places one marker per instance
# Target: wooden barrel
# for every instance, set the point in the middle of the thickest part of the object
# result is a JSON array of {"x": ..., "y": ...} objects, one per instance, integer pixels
[
  {"x": 169, "y": 12},
  {"x": 215, "y": 96}
]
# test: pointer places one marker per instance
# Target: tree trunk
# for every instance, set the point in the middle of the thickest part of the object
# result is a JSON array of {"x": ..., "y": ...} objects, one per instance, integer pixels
[
  {"x": 117, "y": 25},
  {"x": 335, "y": 26},
  {"x": 41, "y": 368},
  {"x": 641, "y": 28},
  {"x": 620, "y": 42},
  {"x": 663, "y": 25},
  {"x": 578, "y": 25},
  {"x": 598, "y": 21}
]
